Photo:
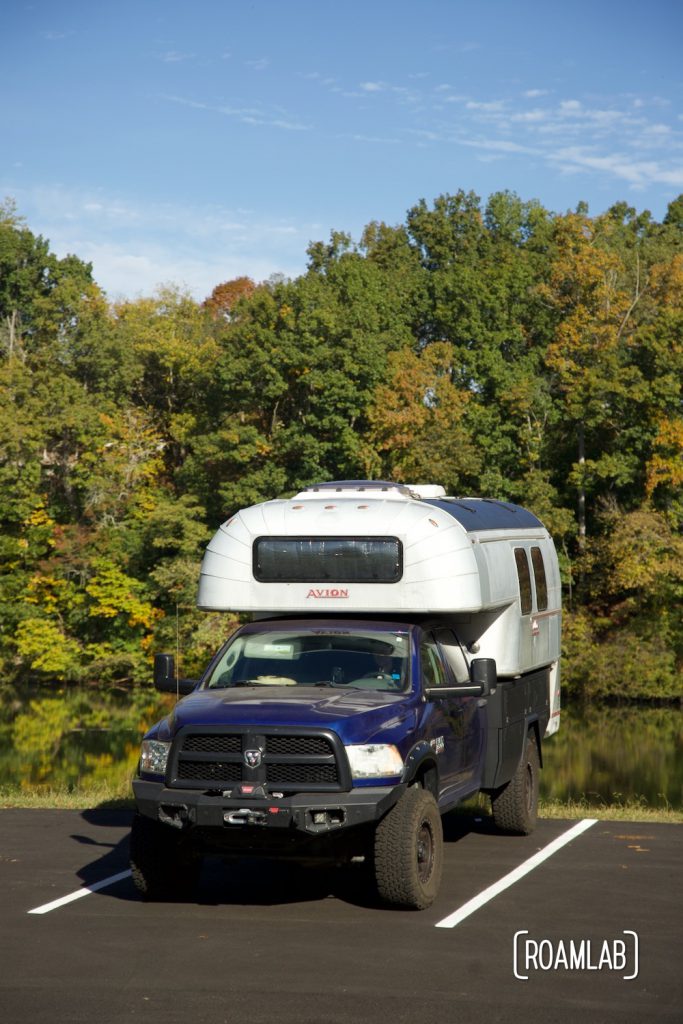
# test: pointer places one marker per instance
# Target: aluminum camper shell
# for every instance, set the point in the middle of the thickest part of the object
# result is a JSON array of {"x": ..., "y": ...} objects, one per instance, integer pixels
[{"x": 488, "y": 566}]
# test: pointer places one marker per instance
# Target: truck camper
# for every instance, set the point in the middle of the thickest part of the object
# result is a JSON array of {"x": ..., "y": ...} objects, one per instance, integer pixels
[{"x": 403, "y": 654}]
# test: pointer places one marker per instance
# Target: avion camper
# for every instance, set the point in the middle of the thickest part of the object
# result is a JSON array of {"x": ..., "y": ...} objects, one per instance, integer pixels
[{"x": 402, "y": 655}]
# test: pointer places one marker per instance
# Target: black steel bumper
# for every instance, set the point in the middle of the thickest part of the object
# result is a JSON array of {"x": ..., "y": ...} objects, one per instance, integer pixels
[{"x": 305, "y": 814}]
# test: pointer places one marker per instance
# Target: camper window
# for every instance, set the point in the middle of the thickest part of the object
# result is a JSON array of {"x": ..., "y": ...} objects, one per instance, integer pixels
[
  {"x": 322, "y": 559},
  {"x": 524, "y": 577},
  {"x": 539, "y": 579}
]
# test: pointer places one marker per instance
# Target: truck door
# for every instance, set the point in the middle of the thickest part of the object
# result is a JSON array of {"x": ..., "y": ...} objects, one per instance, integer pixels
[
  {"x": 444, "y": 718},
  {"x": 470, "y": 715}
]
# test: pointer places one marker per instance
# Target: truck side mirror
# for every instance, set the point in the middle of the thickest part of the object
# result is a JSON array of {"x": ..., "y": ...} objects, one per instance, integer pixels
[
  {"x": 165, "y": 678},
  {"x": 164, "y": 672},
  {"x": 483, "y": 673}
]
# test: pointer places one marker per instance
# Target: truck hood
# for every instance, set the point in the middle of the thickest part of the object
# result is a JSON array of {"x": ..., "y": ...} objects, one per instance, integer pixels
[{"x": 355, "y": 715}]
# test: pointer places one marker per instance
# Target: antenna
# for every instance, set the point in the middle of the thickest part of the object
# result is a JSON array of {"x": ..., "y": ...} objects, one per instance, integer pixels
[{"x": 177, "y": 651}]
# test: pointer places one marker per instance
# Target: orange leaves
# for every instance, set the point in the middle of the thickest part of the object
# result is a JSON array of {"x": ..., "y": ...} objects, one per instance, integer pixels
[{"x": 222, "y": 300}]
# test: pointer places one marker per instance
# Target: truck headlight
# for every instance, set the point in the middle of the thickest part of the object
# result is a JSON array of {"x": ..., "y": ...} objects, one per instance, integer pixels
[
  {"x": 153, "y": 757},
  {"x": 374, "y": 760}
]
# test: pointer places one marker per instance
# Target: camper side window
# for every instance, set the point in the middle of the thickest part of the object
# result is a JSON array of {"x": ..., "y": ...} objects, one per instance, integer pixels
[
  {"x": 524, "y": 577},
  {"x": 539, "y": 579}
]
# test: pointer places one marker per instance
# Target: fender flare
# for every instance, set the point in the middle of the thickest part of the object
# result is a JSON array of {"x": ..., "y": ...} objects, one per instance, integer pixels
[{"x": 422, "y": 760}]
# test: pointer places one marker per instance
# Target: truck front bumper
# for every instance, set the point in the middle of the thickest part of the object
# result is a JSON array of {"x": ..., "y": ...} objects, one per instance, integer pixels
[{"x": 308, "y": 814}]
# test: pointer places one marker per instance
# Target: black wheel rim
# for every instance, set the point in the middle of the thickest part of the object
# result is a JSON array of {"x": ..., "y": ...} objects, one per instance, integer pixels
[{"x": 425, "y": 852}]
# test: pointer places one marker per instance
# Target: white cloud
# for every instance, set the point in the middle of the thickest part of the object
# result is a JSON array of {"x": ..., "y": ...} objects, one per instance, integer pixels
[
  {"x": 532, "y": 94},
  {"x": 492, "y": 106},
  {"x": 374, "y": 138},
  {"x": 372, "y": 86},
  {"x": 176, "y": 57},
  {"x": 638, "y": 174},
  {"x": 530, "y": 116},
  {"x": 260, "y": 116},
  {"x": 136, "y": 247}
]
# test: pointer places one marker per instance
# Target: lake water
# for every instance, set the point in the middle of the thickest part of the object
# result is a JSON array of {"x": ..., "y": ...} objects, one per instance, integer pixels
[
  {"x": 603, "y": 755},
  {"x": 616, "y": 754}
]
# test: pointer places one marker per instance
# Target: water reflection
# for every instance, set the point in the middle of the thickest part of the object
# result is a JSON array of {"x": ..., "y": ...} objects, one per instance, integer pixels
[
  {"x": 616, "y": 754},
  {"x": 78, "y": 739}
]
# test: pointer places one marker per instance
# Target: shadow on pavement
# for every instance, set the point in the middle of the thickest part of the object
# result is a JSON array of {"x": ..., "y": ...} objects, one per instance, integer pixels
[{"x": 245, "y": 881}]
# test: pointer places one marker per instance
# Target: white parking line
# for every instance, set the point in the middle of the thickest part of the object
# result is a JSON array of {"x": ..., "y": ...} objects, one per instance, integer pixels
[
  {"x": 79, "y": 893},
  {"x": 514, "y": 876}
]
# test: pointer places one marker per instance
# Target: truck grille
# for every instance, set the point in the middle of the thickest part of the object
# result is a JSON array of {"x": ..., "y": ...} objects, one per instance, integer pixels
[{"x": 208, "y": 758}]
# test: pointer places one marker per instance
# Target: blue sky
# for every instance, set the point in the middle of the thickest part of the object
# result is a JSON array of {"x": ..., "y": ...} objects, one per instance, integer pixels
[{"x": 195, "y": 142}]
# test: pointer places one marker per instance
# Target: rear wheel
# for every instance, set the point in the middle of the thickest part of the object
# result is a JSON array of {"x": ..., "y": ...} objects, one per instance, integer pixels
[
  {"x": 515, "y": 805},
  {"x": 409, "y": 851},
  {"x": 163, "y": 861}
]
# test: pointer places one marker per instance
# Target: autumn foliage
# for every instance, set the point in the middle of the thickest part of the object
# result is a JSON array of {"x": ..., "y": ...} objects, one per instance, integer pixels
[{"x": 499, "y": 350}]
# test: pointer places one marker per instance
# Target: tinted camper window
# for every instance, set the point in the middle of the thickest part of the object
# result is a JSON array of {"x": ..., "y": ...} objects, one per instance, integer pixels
[
  {"x": 539, "y": 579},
  {"x": 323, "y": 559},
  {"x": 524, "y": 577}
]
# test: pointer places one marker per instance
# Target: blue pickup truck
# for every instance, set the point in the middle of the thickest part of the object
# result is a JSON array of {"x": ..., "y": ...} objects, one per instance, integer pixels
[{"x": 339, "y": 736}]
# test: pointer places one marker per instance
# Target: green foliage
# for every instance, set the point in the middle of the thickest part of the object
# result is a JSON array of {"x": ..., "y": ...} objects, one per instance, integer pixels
[{"x": 496, "y": 349}]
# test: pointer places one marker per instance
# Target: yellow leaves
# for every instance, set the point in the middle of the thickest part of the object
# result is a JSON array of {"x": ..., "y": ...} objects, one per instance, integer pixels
[
  {"x": 666, "y": 464},
  {"x": 130, "y": 462},
  {"x": 584, "y": 275},
  {"x": 416, "y": 418},
  {"x": 641, "y": 550},
  {"x": 44, "y": 645},
  {"x": 46, "y": 591},
  {"x": 666, "y": 280},
  {"x": 587, "y": 287},
  {"x": 39, "y": 517},
  {"x": 38, "y": 530},
  {"x": 115, "y": 594}
]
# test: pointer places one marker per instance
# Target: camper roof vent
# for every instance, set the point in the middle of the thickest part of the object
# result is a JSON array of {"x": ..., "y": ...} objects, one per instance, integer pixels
[
  {"x": 427, "y": 490},
  {"x": 378, "y": 487}
]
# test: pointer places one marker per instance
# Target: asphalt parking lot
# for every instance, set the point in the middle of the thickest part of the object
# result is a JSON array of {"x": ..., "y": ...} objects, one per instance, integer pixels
[{"x": 593, "y": 931}]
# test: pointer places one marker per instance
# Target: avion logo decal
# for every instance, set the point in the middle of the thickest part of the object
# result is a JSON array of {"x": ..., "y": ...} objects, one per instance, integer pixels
[{"x": 334, "y": 592}]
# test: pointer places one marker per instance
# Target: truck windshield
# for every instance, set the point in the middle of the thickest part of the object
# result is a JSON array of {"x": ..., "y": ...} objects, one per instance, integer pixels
[{"x": 352, "y": 659}]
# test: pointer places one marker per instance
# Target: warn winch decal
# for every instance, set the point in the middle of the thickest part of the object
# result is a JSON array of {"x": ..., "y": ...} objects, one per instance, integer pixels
[{"x": 327, "y": 593}]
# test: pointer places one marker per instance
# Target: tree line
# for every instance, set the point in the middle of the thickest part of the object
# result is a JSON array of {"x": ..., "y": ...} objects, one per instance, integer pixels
[{"x": 497, "y": 349}]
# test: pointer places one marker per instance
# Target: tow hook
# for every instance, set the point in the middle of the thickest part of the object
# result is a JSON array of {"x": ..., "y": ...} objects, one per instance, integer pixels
[
  {"x": 244, "y": 816},
  {"x": 176, "y": 815}
]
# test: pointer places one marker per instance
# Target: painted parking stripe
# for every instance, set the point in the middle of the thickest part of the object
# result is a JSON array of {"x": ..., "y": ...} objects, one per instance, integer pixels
[
  {"x": 514, "y": 876},
  {"x": 79, "y": 893}
]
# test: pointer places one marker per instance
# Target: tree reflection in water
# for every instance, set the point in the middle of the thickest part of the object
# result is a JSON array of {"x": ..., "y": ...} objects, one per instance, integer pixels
[
  {"x": 616, "y": 754},
  {"x": 82, "y": 738}
]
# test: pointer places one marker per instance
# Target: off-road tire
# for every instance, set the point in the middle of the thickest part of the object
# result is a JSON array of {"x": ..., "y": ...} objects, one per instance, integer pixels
[
  {"x": 409, "y": 851},
  {"x": 515, "y": 805},
  {"x": 163, "y": 862}
]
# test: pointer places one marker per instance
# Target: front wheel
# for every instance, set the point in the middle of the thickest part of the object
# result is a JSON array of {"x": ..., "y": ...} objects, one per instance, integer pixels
[
  {"x": 409, "y": 851},
  {"x": 163, "y": 862},
  {"x": 515, "y": 805}
]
